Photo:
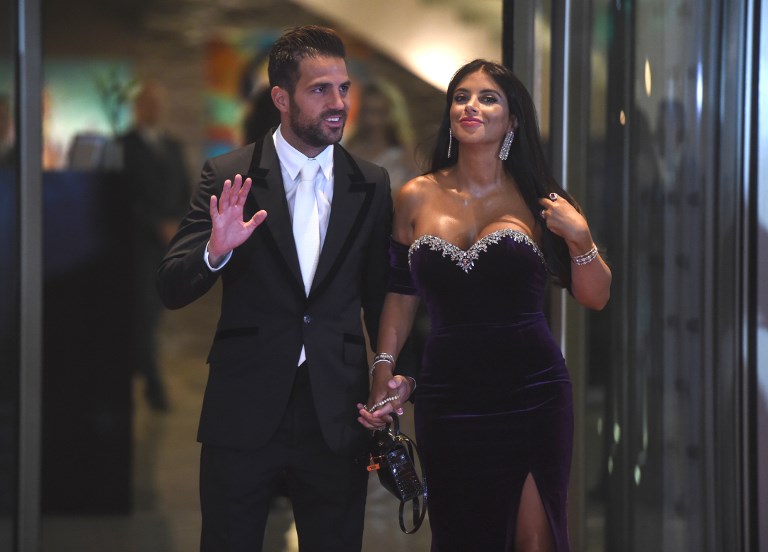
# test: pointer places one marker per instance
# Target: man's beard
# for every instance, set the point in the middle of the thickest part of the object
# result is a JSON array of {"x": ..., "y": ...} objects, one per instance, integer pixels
[{"x": 312, "y": 132}]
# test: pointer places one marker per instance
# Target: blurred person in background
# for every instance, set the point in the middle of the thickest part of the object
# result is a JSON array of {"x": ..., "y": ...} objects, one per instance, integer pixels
[
  {"x": 383, "y": 133},
  {"x": 155, "y": 169}
]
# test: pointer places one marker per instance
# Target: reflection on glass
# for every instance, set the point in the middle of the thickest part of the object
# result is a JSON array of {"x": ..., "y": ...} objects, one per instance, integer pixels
[{"x": 645, "y": 180}]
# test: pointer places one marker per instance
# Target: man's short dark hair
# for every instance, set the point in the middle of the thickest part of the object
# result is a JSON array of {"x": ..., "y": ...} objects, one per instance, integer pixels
[{"x": 296, "y": 44}]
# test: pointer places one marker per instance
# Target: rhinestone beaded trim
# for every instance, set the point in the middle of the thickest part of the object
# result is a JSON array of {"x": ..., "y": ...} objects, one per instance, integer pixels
[{"x": 465, "y": 260}]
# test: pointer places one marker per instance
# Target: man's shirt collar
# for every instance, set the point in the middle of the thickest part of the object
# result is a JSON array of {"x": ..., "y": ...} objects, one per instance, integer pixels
[{"x": 293, "y": 160}]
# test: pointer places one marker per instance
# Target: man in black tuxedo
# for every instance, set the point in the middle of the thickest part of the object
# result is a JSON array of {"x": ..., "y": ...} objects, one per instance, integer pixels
[
  {"x": 298, "y": 231},
  {"x": 155, "y": 170}
]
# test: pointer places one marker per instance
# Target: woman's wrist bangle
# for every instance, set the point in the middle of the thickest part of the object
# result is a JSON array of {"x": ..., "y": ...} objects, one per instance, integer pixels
[
  {"x": 586, "y": 258},
  {"x": 384, "y": 356},
  {"x": 375, "y": 362},
  {"x": 379, "y": 358}
]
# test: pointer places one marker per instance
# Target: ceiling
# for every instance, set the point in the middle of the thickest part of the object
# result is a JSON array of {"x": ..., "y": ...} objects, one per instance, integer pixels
[{"x": 430, "y": 38}]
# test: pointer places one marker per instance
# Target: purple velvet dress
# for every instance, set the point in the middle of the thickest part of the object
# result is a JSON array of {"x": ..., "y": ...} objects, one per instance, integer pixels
[{"x": 494, "y": 401}]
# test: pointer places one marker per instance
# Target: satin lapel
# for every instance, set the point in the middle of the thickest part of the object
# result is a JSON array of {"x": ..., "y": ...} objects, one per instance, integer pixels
[
  {"x": 268, "y": 191},
  {"x": 352, "y": 197}
]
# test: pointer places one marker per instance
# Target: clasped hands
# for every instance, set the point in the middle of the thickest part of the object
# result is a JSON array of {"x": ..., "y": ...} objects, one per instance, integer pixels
[
  {"x": 228, "y": 230},
  {"x": 388, "y": 393}
]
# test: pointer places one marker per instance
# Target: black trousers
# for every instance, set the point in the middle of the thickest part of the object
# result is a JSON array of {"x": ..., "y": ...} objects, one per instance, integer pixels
[{"x": 327, "y": 491}]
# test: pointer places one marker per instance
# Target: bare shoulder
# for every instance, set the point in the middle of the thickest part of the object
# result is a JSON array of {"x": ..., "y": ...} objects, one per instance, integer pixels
[
  {"x": 415, "y": 192},
  {"x": 409, "y": 202}
]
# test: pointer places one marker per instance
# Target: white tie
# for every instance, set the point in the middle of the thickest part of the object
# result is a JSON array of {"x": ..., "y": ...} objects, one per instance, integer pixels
[{"x": 306, "y": 222}]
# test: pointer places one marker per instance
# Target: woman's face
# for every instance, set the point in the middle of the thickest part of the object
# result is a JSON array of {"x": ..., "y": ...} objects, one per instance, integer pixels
[{"x": 479, "y": 110}]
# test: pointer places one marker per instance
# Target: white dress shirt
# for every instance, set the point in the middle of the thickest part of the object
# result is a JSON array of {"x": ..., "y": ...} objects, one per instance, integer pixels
[{"x": 291, "y": 162}]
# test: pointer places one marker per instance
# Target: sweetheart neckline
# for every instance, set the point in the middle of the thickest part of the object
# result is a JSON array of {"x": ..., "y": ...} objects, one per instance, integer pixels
[
  {"x": 465, "y": 258},
  {"x": 528, "y": 239}
]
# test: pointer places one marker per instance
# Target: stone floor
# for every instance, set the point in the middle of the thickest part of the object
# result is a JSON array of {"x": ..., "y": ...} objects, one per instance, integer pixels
[{"x": 166, "y": 516}]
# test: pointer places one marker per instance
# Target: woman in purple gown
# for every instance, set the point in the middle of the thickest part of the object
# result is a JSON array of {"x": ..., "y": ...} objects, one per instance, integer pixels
[{"x": 478, "y": 238}]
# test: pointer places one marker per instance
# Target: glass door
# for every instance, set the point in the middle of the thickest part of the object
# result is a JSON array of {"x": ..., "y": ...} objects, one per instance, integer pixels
[
  {"x": 9, "y": 281},
  {"x": 646, "y": 119}
]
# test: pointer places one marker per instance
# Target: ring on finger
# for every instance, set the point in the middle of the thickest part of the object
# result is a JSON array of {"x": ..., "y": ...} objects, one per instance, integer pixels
[{"x": 553, "y": 196}]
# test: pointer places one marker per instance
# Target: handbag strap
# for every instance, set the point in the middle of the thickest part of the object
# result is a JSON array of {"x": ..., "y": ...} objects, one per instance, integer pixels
[
  {"x": 419, "y": 507},
  {"x": 396, "y": 426}
]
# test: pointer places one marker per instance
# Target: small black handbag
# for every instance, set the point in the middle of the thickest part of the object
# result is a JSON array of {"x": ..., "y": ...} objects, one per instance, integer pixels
[{"x": 392, "y": 458}]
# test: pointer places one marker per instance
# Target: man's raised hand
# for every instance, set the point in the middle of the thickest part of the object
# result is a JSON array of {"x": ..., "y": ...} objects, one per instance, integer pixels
[{"x": 228, "y": 228}]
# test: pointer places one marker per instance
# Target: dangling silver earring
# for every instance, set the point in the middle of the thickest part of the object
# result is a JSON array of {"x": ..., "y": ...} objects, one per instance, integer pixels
[
  {"x": 506, "y": 144},
  {"x": 450, "y": 141}
]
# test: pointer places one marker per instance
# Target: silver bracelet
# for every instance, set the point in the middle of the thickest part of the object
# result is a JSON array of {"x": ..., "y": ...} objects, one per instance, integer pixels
[
  {"x": 587, "y": 257},
  {"x": 381, "y": 357},
  {"x": 384, "y": 356},
  {"x": 382, "y": 403}
]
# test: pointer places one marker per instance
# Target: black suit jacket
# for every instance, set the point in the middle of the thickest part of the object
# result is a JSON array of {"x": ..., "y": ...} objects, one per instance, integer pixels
[{"x": 265, "y": 314}]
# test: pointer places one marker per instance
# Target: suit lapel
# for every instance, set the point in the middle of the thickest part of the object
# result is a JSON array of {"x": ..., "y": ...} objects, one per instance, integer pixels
[
  {"x": 268, "y": 191},
  {"x": 352, "y": 197}
]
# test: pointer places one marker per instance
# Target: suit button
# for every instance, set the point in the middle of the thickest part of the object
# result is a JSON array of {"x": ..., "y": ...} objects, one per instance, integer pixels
[{"x": 307, "y": 319}]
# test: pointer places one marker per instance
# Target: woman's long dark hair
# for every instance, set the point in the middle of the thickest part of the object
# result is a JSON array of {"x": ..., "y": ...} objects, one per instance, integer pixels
[{"x": 526, "y": 162}]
